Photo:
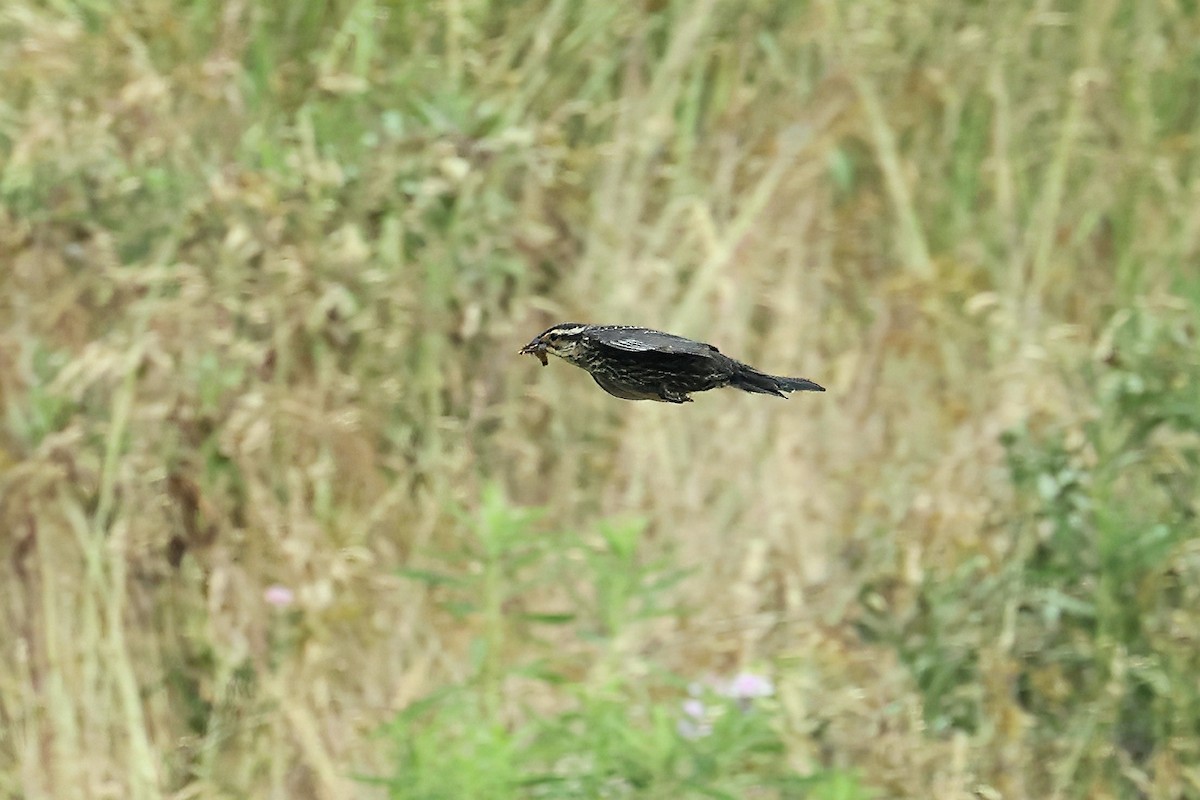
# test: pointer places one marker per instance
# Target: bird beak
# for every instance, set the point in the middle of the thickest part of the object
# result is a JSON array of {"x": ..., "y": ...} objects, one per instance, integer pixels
[{"x": 536, "y": 348}]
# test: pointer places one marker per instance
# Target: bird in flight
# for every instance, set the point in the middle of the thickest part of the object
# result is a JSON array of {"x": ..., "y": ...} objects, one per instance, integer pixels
[{"x": 643, "y": 364}]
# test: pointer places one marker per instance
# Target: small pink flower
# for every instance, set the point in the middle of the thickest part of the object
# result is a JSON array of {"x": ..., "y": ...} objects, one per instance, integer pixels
[
  {"x": 279, "y": 596},
  {"x": 695, "y": 723},
  {"x": 748, "y": 686}
]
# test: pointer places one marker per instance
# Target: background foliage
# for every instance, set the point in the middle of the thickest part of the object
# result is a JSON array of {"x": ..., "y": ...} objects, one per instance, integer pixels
[{"x": 282, "y": 514}]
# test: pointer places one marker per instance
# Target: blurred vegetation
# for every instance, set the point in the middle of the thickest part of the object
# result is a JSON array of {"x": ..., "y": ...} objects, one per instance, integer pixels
[{"x": 282, "y": 514}]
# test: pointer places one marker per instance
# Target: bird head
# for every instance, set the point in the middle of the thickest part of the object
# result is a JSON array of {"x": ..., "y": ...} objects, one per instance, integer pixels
[{"x": 562, "y": 340}]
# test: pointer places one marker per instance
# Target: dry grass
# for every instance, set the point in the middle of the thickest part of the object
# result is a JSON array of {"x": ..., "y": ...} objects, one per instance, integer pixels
[{"x": 264, "y": 269}]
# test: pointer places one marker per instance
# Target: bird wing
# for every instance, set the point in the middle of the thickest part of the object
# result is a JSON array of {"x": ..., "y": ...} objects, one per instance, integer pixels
[
  {"x": 644, "y": 340},
  {"x": 623, "y": 392}
]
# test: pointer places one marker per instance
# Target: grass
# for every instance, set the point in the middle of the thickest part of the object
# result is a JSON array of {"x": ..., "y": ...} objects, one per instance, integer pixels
[{"x": 286, "y": 516}]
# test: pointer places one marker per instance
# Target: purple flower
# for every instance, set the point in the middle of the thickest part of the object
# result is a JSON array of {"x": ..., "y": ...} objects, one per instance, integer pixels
[
  {"x": 695, "y": 723},
  {"x": 279, "y": 596},
  {"x": 747, "y": 686},
  {"x": 743, "y": 688}
]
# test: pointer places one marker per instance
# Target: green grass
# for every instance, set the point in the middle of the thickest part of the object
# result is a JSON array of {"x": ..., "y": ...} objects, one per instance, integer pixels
[{"x": 264, "y": 268}]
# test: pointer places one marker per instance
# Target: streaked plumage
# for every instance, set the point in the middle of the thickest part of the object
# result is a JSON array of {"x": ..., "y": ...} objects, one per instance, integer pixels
[{"x": 642, "y": 364}]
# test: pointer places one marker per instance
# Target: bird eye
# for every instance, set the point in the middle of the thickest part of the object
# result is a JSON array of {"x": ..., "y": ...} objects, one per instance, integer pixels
[{"x": 553, "y": 334}]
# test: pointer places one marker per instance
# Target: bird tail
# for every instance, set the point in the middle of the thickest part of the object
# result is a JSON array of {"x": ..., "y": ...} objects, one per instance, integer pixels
[{"x": 749, "y": 379}]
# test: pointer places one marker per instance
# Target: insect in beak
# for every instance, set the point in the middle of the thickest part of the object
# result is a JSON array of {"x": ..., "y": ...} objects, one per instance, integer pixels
[{"x": 536, "y": 348}]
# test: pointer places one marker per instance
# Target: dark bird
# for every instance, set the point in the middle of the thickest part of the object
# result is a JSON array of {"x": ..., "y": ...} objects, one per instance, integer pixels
[{"x": 643, "y": 364}]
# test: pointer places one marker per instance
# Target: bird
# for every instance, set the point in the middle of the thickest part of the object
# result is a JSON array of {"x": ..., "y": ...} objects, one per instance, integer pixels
[{"x": 635, "y": 363}]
